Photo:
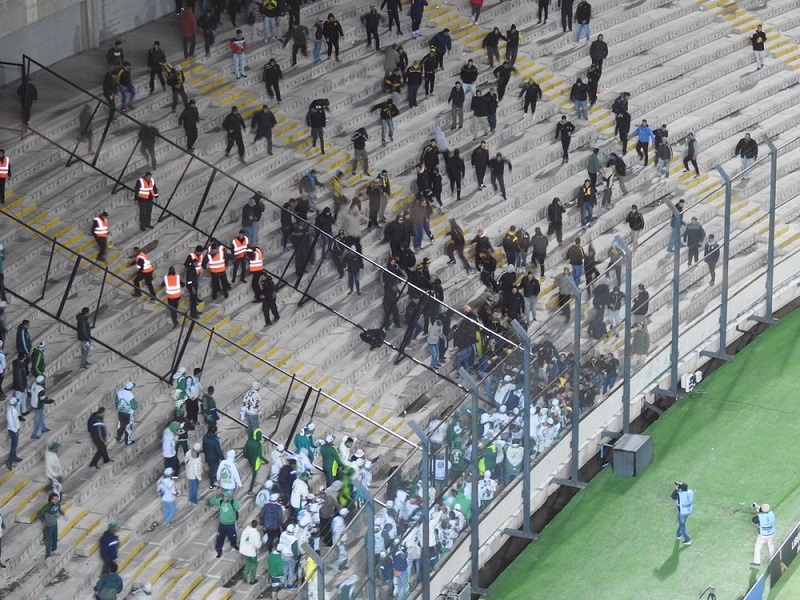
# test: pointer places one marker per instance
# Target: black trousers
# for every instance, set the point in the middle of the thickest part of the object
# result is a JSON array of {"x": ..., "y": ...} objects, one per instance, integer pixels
[
  {"x": 643, "y": 150},
  {"x": 145, "y": 212},
  {"x": 255, "y": 284},
  {"x": 623, "y": 138},
  {"x": 394, "y": 17},
  {"x": 455, "y": 184},
  {"x": 430, "y": 79},
  {"x": 565, "y": 148},
  {"x": 538, "y": 259},
  {"x": 208, "y": 40},
  {"x": 563, "y": 303},
  {"x": 148, "y": 281},
  {"x": 543, "y": 8},
  {"x": 295, "y": 50},
  {"x": 239, "y": 263},
  {"x": 274, "y": 89},
  {"x": 694, "y": 253},
  {"x": 219, "y": 283},
  {"x": 531, "y": 104},
  {"x": 566, "y": 20},
  {"x": 193, "y": 300},
  {"x": 268, "y": 305},
  {"x": 2, "y": 190},
  {"x": 373, "y": 34},
  {"x": 497, "y": 180},
  {"x": 101, "y": 452},
  {"x": 188, "y": 46},
  {"x": 688, "y": 160},
  {"x": 480, "y": 173},
  {"x": 102, "y": 245},
  {"x": 294, "y": 17},
  {"x": 236, "y": 137},
  {"x": 157, "y": 72},
  {"x": 265, "y": 134},
  {"x": 191, "y": 137},
  {"x": 173, "y": 309},
  {"x": 179, "y": 92},
  {"x": 333, "y": 47}
]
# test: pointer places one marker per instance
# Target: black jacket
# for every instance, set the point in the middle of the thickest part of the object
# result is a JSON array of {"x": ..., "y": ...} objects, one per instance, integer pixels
[
  {"x": 598, "y": 51},
  {"x": 264, "y": 120},
  {"x": 332, "y": 30},
  {"x": 454, "y": 166},
  {"x": 272, "y": 73},
  {"x": 579, "y": 92},
  {"x": 359, "y": 139},
  {"x": 469, "y": 74},
  {"x": 480, "y": 157},
  {"x": 583, "y": 13},
  {"x": 457, "y": 96},
  {"x": 189, "y": 117},
  {"x": 233, "y": 121},
  {"x": 84, "y": 328},
  {"x": 564, "y": 130},
  {"x": 623, "y": 124},
  {"x": 316, "y": 117},
  {"x": 532, "y": 92},
  {"x": 747, "y": 148},
  {"x": 554, "y": 214},
  {"x": 479, "y": 106}
]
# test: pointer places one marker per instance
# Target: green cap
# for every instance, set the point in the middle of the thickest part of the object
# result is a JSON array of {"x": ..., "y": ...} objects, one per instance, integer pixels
[{"x": 113, "y": 526}]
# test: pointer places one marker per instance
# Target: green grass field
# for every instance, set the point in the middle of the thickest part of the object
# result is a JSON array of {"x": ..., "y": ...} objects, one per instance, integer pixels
[{"x": 733, "y": 441}]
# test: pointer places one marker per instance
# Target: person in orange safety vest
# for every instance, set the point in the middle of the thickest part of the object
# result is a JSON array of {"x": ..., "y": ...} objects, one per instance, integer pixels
[
  {"x": 144, "y": 272},
  {"x": 145, "y": 192},
  {"x": 172, "y": 286},
  {"x": 100, "y": 232},
  {"x": 256, "y": 260},
  {"x": 239, "y": 245},
  {"x": 215, "y": 262}
]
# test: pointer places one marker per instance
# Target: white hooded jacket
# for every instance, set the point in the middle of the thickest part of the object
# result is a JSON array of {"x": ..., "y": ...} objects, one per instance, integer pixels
[
  {"x": 250, "y": 542},
  {"x": 228, "y": 472}
]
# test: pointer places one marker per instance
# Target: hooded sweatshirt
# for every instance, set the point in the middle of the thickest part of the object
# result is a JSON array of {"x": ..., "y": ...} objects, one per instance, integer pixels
[
  {"x": 228, "y": 473},
  {"x": 194, "y": 465},
  {"x": 168, "y": 439}
]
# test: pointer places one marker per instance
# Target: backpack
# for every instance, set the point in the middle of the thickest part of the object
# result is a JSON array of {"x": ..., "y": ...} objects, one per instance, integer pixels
[
  {"x": 597, "y": 329},
  {"x": 373, "y": 337}
]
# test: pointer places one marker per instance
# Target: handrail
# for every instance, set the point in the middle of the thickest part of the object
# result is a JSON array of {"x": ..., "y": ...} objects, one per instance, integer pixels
[
  {"x": 240, "y": 183},
  {"x": 210, "y": 331}
]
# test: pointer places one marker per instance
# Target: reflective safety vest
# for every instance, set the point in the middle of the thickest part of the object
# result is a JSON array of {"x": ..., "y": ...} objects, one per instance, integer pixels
[
  {"x": 216, "y": 262},
  {"x": 145, "y": 189},
  {"x": 147, "y": 266},
  {"x": 198, "y": 261},
  {"x": 172, "y": 283},
  {"x": 257, "y": 262},
  {"x": 240, "y": 247},
  {"x": 100, "y": 226},
  {"x": 4, "y": 165}
]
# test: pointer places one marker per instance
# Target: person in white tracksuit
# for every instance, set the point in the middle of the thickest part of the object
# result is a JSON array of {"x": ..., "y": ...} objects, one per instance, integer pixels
[{"x": 338, "y": 526}]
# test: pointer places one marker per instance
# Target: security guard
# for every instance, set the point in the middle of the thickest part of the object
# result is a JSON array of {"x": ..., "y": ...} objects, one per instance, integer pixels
[
  {"x": 5, "y": 173},
  {"x": 172, "y": 287},
  {"x": 144, "y": 272},
  {"x": 145, "y": 192},
  {"x": 191, "y": 277},
  {"x": 256, "y": 265},
  {"x": 684, "y": 498},
  {"x": 197, "y": 257},
  {"x": 765, "y": 519},
  {"x": 239, "y": 245},
  {"x": 234, "y": 125},
  {"x": 214, "y": 261},
  {"x": 100, "y": 233}
]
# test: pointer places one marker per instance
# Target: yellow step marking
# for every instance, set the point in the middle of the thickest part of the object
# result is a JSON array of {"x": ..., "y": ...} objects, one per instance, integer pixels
[
  {"x": 232, "y": 98},
  {"x": 214, "y": 84},
  {"x": 72, "y": 524},
  {"x": 789, "y": 240},
  {"x": 15, "y": 203},
  {"x": 247, "y": 337},
  {"x": 144, "y": 565},
  {"x": 86, "y": 532},
  {"x": 133, "y": 553},
  {"x": 24, "y": 504},
  {"x": 233, "y": 330},
  {"x": 161, "y": 570},
  {"x": 259, "y": 344},
  {"x": 14, "y": 491},
  {"x": 371, "y": 412},
  {"x": 224, "y": 90},
  {"x": 321, "y": 382},
  {"x": 209, "y": 315},
  {"x": 198, "y": 579},
  {"x": 174, "y": 581}
]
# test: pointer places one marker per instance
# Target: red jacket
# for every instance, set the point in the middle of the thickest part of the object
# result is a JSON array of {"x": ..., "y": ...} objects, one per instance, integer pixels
[
  {"x": 476, "y": 2},
  {"x": 238, "y": 45},
  {"x": 187, "y": 23}
]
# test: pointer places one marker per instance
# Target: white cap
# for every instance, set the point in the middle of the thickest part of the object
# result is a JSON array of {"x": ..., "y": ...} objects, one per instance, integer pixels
[
  {"x": 231, "y": 454},
  {"x": 290, "y": 529},
  {"x": 457, "y": 429},
  {"x": 503, "y": 409},
  {"x": 39, "y": 378},
  {"x": 129, "y": 385},
  {"x": 359, "y": 453},
  {"x": 255, "y": 385},
  {"x": 147, "y": 589},
  {"x": 41, "y": 345},
  {"x": 168, "y": 471},
  {"x": 390, "y": 504},
  {"x": 359, "y": 462},
  {"x": 765, "y": 508},
  {"x": 182, "y": 370},
  {"x": 344, "y": 512},
  {"x": 281, "y": 448},
  {"x": 329, "y": 438},
  {"x": 12, "y": 401},
  {"x": 310, "y": 427},
  {"x": 507, "y": 378},
  {"x": 197, "y": 447},
  {"x": 550, "y": 420},
  {"x": 274, "y": 497},
  {"x": 457, "y": 507},
  {"x": 487, "y": 474}
]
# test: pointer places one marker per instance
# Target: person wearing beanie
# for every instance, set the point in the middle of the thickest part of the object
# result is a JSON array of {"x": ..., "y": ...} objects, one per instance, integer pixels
[
  {"x": 228, "y": 473},
  {"x": 109, "y": 546},
  {"x": 168, "y": 492},
  {"x": 228, "y": 514},
  {"x": 194, "y": 471}
]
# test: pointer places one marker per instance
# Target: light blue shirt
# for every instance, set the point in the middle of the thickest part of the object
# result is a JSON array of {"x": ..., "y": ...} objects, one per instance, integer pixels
[
  {"x": 766, "y": 523},
  {"x": 685, "y": 502}
]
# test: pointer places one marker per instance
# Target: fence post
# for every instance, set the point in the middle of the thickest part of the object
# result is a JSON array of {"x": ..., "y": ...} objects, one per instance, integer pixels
[
  {"x": 767, "y": 319},
  {"x": 49, "y": 265},
  {"x": 672, "y": 392},
  {"x": 164, "y": 208},
  {"x": 574, "y": 480},
  {"x": 526, "y": 436},
  {"x": 100, "y": 296},
  {"x": 721, "y": 352},
  {"x": 82, "y": 133},
  {"x": 474, "y": 534},
  {"x": 319, "y": 574},
  {"x": 369, "y": 507},
  {"x": 425, "y": 551},
  {"x": 626, "y": 358}
]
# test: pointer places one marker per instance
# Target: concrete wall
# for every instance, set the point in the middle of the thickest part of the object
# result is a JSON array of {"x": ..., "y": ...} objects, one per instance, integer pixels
[{"x": 49, "y": 30}]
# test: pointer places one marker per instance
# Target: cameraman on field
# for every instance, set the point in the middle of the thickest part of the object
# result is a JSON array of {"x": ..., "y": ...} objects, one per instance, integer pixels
[
  {"x": 684, "y": 498},
  {"x": 765, "y": 520}
]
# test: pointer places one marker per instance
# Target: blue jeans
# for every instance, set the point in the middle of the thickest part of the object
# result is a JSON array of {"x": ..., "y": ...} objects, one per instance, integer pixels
[
  {"x": 128, "y": 94},
  {"x": 251, "y": 231},
  {"x": 270, "y": 30},
  {"x": 586, "y": 214},
  {"x": 170, "y": 510},
  {"x": 238, "y": 65},
  {"x": 317, "y": 51},
  {"x": 577, "y": 272},
  {"x": 663, "y": 166},
  {"x": 354, "y": 281},
  {"x": 194, "y": 485},
  {"x": 608, "y": 383},
  {"x": 492, "y": 121},
  {"x": 252, "y": 423},
  {"x": 581, "y": 30},
  {"x": 418, "y": 230},
  {"x": 434, "y": 350},
  {"x": 401, "y": 585},
  {"x": 38, "y": 422},
  {"x": 581, "y": 111},
  {"x": 522, "y": 259},
  {"x": 387, "y": 126},
  {"x": 464, "y": 357},
  {"x": 682, "y": 528}
]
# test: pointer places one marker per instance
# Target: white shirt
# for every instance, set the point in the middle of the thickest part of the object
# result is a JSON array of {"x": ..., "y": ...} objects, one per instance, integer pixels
[
  {"x": 194, "y": 466},
  {"x": 36, "y": 393},
  {"x": 166, "y": 489},
  {"x": 193, "y": 388},
  {"x": 250, "y": 542},
  {"x": 168, "y": 443},
  {"x": 234, "y": 480},
  {"x": 251, "y": 403},
  {"x": 52, "y": 465},
  {"x": 12, "y": 419},
  {"x": 124, "y": 398},
  {"x": 299, "y": 492}
]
